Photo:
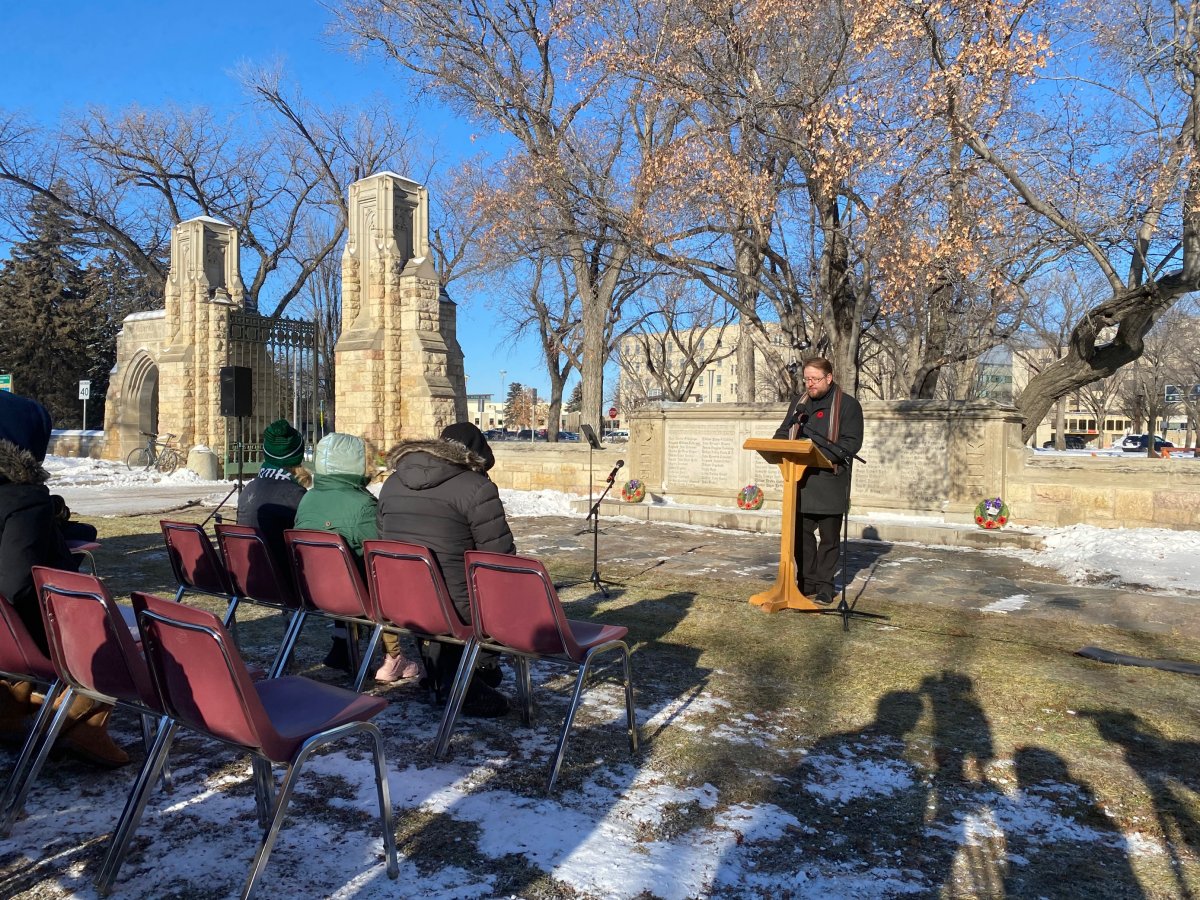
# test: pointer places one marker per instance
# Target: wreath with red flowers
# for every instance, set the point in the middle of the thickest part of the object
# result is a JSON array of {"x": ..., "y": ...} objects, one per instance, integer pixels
[
  {"x": 992, "y": 513},
  {"x": 750, "y": 497},
  {"x": 633, "y": 491}
]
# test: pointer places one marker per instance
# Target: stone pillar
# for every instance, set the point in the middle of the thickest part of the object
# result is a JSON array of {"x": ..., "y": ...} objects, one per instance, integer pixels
[
  {"x": 203, "y": 284},
  {"x": 399, "y": 364}
]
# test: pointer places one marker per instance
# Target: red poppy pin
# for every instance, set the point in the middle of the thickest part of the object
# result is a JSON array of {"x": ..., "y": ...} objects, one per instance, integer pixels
[{"x": 820, "y": 413}]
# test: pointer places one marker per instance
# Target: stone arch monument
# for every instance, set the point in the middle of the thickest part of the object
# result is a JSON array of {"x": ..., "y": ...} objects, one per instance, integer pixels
[{"x": 399, "y": 367}]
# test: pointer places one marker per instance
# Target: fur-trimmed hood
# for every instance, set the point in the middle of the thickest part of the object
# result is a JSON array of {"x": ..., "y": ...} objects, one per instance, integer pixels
[
  {"x": 19, "y": 466},
  {"x": 426, "y": 463}
]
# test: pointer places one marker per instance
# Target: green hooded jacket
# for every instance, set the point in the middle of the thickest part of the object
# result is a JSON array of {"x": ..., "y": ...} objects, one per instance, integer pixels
[{"x": 338, "y": 500}]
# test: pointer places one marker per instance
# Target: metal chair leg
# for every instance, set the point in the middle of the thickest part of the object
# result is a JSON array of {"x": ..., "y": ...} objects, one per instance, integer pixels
[
  {"x": 386, "y": 822},
  {"x": 264, "y": 789},
  {"x": 524, "y": 689},
  {"x": 561, "y": 750},
  {"x": 292, "y": 617},
  {"x": 56, "y": 726},
  {"x": 290, "y": 639},
  {"x": 368, "y": 655},
  {"x": 17, "y": 778},
  {"x": 630, "y": 710},
  {"x": 150, "y": 727},
  {"x": 458, "y": 693},
  {"x": 135, "y": 804}
]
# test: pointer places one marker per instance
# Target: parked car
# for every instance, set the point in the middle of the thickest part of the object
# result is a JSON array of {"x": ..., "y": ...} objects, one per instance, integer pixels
[
  {"x": 568, "y": 436},
  {"x": 616, "y": 435},
  {"x": 1132, "y": 443},
  {"x": 496, "y": 434},
  {"x": 1073, "y": 442}
]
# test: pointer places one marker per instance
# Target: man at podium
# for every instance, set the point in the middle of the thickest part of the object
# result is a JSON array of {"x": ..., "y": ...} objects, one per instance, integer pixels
[{"x": 829, "y": 417}]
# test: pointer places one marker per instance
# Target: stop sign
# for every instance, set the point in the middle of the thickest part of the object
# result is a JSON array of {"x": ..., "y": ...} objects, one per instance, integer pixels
[{"x": 612, "y": 412}]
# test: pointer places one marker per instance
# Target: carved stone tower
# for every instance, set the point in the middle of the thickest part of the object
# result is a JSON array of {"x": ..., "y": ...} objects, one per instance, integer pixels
[
  {"x": 203, "y": 285},
  {"x": 399, "y": 365}
]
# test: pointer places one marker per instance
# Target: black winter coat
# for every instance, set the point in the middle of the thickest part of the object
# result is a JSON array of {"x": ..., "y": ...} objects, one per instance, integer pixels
[
  {"x": 825, "y": 492},
  {"x": 269, "y": 502},
  {"x": 439, "y": 496},
  {"x": 29, "y": 534}
]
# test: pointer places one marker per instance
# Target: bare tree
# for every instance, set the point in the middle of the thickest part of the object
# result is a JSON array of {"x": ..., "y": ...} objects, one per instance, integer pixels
[
  {"x": 581, "y": 138},
  {"x": 279, "y": 176},
  {"x": 679, "y": 333}
]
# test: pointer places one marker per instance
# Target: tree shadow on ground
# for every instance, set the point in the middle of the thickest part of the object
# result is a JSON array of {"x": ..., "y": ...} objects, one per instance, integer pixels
[{"x": 1170, "y": 774}]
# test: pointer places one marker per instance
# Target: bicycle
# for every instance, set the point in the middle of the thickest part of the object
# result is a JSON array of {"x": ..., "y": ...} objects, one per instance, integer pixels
[{"x": 155, "y": 454}]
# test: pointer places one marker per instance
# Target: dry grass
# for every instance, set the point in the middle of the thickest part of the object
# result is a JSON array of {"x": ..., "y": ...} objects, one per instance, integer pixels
[{"x": 978, "y": 708}]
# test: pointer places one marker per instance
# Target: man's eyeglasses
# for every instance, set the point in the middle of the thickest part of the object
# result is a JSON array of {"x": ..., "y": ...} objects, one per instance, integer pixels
[{"x": 815, "y": 379}]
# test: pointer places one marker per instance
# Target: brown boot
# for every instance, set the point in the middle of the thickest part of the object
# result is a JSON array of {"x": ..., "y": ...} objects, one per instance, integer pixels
[
  {"x": 86, "y": 734},
  {"x": 14, "y": 707}
]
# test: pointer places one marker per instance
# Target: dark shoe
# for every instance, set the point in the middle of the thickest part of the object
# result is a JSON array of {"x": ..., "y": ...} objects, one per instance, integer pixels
[
  {"x": 338, "y": 656},
  {"x": 824, "y": 597},
  {"x": 490, "y": 675},
  {"x": 483, "y": 702}
]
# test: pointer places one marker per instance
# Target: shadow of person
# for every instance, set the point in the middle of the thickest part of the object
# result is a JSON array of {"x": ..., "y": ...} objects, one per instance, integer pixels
[
  {"x": 1169, "y": 771},
  {"x": 852, "y": 809},
  {"x": 1054, "y": 853},
  {"x": 971, "y": 853}
]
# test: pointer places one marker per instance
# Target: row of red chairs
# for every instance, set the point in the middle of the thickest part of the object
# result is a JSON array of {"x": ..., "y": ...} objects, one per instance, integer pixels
[
  {"x": 515, "y": 609},
  {"x": 184, "y": 672},
  {"x": 191, "y": 674}
]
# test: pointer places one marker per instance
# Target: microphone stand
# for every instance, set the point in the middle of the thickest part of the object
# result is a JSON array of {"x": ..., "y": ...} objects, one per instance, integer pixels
[
  {"x": 594, "y": 515},
  {"x": 844, "y": 609},
  {"x": 237, "y": 488}
]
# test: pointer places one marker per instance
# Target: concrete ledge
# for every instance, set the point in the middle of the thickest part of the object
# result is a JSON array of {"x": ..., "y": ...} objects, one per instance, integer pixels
[{"x": 862, "y": 527}]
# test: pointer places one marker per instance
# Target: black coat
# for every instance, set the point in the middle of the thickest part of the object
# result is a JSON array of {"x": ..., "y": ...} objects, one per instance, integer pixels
[
  {"x": 29, "y": 534},
  {"x": 825, "y": 492},
  {"x": 269, "y": 502},
  {"x": 438, "y": 496}
]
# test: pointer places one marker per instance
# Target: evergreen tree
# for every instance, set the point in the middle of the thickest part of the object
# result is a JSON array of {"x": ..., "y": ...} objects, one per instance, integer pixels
[
  {"x": 47, "y": 317},
  {"x": 575, "y": 403},
  {"x": 514, "y": 406}
]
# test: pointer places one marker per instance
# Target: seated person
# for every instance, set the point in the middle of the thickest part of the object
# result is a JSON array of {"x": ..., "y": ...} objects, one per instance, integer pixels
[
  {"x": 30, "y": 535},
  {"x": 340, "y": 502},
  {"x": 269, "y": 499},
  {"x": 439, "y": 496}
]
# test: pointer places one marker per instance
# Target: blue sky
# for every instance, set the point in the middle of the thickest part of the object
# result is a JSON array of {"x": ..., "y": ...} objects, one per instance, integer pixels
[{"x": 66, "y": 55}]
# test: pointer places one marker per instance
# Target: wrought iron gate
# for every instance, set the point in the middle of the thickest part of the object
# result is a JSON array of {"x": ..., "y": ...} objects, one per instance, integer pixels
[{"x": 282, "y": 356}]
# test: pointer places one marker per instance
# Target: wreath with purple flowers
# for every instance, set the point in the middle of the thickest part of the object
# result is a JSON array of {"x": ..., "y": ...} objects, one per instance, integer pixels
[
  {"x": 992, "y": 513},
  {"x": 633, "y": 491}
]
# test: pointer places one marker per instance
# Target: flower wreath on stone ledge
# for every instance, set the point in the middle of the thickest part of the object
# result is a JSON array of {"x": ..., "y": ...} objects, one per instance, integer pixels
[
  {"x": 633, "y": 491},
  {"x": 750, "y": 497},
  {"x": 992, "y": 512}
]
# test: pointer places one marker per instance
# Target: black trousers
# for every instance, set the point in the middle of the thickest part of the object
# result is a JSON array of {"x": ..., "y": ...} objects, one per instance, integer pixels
[{"x": 818, "y": 562}]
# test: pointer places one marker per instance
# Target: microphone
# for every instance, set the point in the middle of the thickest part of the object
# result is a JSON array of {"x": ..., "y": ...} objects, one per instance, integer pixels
[{"x": 612, "y": 476}]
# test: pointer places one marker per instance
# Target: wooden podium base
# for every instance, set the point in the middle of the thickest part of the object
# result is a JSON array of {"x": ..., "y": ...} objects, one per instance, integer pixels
[{"x": 783, "y": 596}]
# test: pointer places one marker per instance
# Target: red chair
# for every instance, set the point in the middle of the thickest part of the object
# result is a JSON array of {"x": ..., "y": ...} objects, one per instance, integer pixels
[
  {"x": 330, "y": 584},
  {"x": 84, "y": 549},
  {"x": 197, "y": 566},
  {"x": 203, "y": 684},
  {"x": 515, "y": 610},
  {"x": 94, "y": 655},
  {"x": 255, "y": 578},
  {"x": 22, "y": 660}
]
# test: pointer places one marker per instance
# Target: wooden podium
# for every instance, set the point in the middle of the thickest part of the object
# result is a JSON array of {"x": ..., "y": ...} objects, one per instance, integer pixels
[{"x": 793, "y": 458}]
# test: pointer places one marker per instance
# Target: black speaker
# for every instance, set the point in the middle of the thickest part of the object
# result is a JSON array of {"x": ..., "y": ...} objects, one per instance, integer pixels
[{"x": 235, "y": 391}]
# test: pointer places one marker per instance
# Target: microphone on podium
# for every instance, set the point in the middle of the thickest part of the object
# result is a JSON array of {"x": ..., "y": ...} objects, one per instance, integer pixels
[{"x": 612, "y": 476}]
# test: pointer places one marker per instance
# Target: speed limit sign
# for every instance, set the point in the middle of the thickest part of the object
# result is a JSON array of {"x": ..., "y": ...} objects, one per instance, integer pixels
[{"x": 85, "y": 390}]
